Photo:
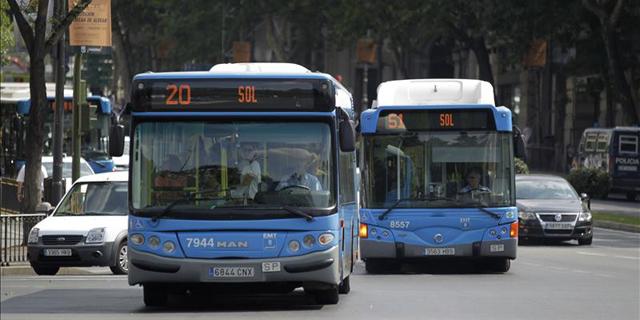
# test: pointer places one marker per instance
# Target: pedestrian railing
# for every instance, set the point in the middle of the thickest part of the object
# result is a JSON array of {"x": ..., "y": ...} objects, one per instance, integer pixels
[{"x": 14, "y": 234}]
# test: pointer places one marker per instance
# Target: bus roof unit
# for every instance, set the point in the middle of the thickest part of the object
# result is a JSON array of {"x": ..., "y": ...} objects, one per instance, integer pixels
[
  {"x": 422, "y": 92},
  {"x": 258, "y": 67}
]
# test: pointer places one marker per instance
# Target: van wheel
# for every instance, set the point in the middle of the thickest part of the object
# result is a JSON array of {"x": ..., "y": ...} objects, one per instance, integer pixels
[
  {"x": 155, "y": 295},
  {"x": 328, "y": 296},
  {"x": 44, "y": 271},
  {"x": 345, "y": 285},
  {"x": 122, "y": 261}
]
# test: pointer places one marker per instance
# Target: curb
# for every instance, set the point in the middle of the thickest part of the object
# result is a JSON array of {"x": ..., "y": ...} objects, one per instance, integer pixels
[
  {"x": 26, "y": 270},
  {"x": 616, "y": 226}
]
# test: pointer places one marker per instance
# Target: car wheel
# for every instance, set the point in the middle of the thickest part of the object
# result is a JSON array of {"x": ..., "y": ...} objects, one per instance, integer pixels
[
  {"x": 328, "y": 296},
  {"x": 155, "y": 295},
  {"x": 122, "y": 261},
  {"x": 345, "y": 285},
  {"x": 375, "y": 266},
  {"x": 44, "y": 271},
  {"x": 585, "y": 241}
]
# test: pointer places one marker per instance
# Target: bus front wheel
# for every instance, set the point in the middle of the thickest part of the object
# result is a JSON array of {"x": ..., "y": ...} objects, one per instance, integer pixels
[
  {"x": 327, "y": 296},
  {"x": 345, "y": 285},
  {"x": 500, "y": 265},
  {"x": 155, "y": 295}
]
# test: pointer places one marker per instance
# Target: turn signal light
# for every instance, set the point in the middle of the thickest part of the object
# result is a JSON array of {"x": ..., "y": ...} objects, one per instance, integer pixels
[
  {"x": 364, "y": 231},
  {"x": 514, "y": 230}
]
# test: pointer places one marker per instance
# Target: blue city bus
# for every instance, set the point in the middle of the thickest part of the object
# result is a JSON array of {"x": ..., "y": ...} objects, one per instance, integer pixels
[
  {"x": 242, "y": 177},
  {"x": 94, "y": 140},
  {"x": 438, "y": 176}
]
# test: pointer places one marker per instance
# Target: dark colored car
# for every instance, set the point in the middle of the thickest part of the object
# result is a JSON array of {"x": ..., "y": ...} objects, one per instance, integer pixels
[{"x": 549, "y": 208}]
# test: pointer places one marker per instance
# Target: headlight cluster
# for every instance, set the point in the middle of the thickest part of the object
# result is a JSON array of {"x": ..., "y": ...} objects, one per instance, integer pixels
[
  {"x": 95, "y": 236},
  {"x": 524, "y": 215},
  {"x": 585, "y": 216},
  {"x": 309, "y": 241},
  {"x": 153, "y": 242},
  {"x": 33, "y": 235}
]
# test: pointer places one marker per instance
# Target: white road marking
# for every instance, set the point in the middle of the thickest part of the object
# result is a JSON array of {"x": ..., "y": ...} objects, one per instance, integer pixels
[{"x": 606, "y": 255}]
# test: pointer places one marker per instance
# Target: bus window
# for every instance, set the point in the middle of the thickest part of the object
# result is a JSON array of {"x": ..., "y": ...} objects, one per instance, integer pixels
[
  {"x": 590, "y": 145},
  {"x": 628, "y": 145}
]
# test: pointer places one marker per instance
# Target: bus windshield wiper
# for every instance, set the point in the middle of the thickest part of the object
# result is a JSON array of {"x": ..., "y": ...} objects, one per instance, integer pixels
[
  {"x": 298, "y": 212},
  {"x": 170, "y": 206},
  {"x": 395, "y": 204},
  {"x": 489, "y": 212}
]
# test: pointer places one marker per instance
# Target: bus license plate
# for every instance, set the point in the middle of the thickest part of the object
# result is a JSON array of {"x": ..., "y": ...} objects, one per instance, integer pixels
[
  {"x": 57, "y": 252},
  {"x": 440, "y": 251},
  {"x": 558, "y": 226},
  {"x": 231, "y": 272}
]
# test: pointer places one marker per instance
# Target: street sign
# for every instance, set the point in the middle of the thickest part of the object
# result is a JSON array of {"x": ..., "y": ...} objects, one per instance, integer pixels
[{"x": 92, "y": 27}]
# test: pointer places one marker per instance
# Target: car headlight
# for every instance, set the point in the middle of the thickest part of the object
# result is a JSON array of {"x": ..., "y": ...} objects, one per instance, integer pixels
[
  {"x": 33, "y": 235},
  {"x": 524, "y": 215},
  {"x": 585, "y": 216},
  {"x": 95, "y": 236}
]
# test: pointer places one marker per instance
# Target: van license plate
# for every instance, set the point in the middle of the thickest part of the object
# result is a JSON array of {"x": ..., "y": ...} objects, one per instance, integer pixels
[
  {"x": 440, "y": 251},
  {"x": 231, "y": 272},
  {"x": 57, "y": 252}
]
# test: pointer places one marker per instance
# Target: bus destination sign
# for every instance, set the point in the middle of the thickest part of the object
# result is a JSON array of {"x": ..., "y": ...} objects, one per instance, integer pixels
[{"x": 428, "y": 120}]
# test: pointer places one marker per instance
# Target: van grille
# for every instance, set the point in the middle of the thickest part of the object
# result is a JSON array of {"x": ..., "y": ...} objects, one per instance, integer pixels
[{"x": 61, "y": 239}]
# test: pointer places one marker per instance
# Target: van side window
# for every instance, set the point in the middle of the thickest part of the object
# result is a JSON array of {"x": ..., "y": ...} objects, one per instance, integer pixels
[
  {"x": 603, "y": 142},
  {"x": 590, "y": 145},
  {"x": 628, "y": 145}
]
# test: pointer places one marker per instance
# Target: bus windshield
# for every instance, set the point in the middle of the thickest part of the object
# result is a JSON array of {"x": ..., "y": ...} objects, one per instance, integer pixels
[
  {"x": 204, "y": 166},
  {"x": 439, "y": 170}
]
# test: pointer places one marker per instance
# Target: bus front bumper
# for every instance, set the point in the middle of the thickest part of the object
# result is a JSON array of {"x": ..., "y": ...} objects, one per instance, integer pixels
[
  {"x": 379, "y": 249},
  {"x": 320, "y": 267}
]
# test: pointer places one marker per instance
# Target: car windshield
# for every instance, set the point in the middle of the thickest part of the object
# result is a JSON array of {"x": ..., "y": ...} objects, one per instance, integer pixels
[
  {"x": 207, "y": 166},
  {"x": 545, "y": 189},
  {"x": 85, "y": 169},
  {"x": 439, "y": 169},
  {"x": 95, "y": 198}
]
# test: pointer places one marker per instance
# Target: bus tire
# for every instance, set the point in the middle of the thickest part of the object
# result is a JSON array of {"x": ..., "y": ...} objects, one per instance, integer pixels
[
  {"x": 44, "y": 271},
  {"x": 327, "y": 296},
  {"x": 155, "y": 295},
  {"x": 121, "y": 261},
  {"x": 345, "y": 285},
  {"x": 501, "y": 265}
]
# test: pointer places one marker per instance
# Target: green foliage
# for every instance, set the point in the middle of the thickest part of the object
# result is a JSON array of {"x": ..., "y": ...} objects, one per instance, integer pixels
[
  {"x": 592, "y": 181},
  {"x": 6, "y": 32},
  {"x": 521, "y": 166}
]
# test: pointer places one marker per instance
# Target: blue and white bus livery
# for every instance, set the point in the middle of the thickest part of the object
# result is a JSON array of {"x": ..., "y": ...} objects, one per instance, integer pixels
[
  {"x": 438, "y": 175},
  {"x": 242, "y": 176}
]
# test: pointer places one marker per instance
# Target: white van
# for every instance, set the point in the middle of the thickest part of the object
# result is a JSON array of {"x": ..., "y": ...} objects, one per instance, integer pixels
[{"x": 87, "y": 228}]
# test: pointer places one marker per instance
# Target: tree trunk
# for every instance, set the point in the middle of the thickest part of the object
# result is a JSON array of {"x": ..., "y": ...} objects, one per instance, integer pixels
[
  {"x": 482, "y": 55},
  {"x": 616, "y": 74}
]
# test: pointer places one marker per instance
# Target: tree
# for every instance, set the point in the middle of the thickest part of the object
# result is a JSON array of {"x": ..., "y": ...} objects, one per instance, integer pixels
[
  {"x": 6, "y": 32},
  {"x": 609, "y": 14},
  {"x": 38, "y": 44}
]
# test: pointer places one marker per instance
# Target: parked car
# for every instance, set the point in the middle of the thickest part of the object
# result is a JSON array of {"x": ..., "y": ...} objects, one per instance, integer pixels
[
  {"x": 85, "y": 169},
  {"x": 549, "y": 208},
  {"x": 87, "y": 228}
]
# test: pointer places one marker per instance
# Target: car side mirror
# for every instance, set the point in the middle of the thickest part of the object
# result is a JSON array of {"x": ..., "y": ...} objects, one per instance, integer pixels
[{"x": 116, "y": 140}]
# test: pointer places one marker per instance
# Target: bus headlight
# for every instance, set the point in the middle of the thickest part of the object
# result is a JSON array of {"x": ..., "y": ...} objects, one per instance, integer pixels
[
  {"x": 325, "y": 238},
  {"x": 95, "y": 236},
  {"x": 524, "y": 215},
  {"x": 154, "y": 242},
  {"x": 585, "y": 216},
  {"x": 137, "y": 239},
  {"x": 33, "y": 235},
  {"x": 294, "y": 246},
  {"x": 169, "y": 247}
]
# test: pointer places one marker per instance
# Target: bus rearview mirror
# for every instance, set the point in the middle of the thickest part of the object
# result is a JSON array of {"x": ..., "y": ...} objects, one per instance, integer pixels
[
  {"x": 347, "y": 136},
  {"x": 116, "y": 140}
]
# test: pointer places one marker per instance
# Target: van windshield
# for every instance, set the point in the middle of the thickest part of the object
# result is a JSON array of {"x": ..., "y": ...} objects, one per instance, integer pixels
[{"x": 95, "y": 198}]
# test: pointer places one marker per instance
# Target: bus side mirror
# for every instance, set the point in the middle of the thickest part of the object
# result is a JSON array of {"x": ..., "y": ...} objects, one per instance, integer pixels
[
  {"x": 116, "y": 140},
  {"x": 519, "y": 149},
  {"x": 347, "y": 136}
]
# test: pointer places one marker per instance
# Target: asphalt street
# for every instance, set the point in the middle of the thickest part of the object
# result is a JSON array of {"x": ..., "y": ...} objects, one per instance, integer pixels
[
  {"x": 618, "y": 206},
  {"x": 562, "y": 281}
]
